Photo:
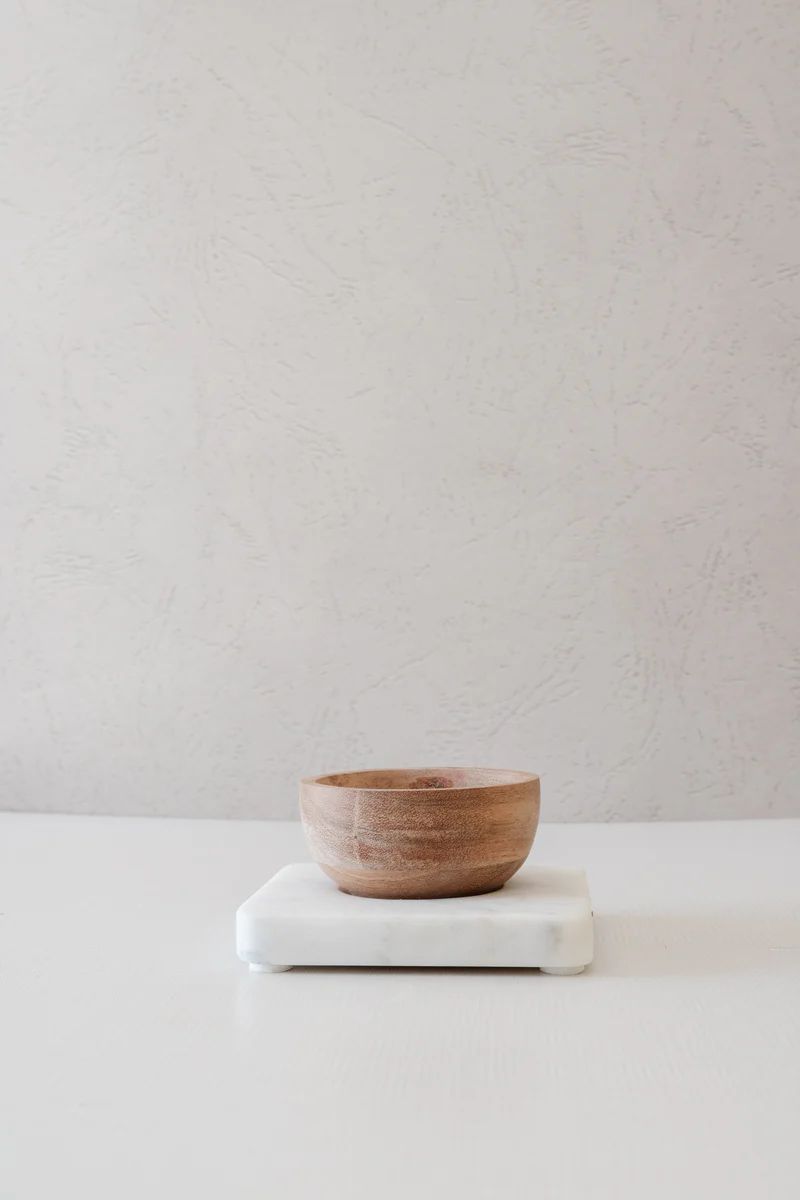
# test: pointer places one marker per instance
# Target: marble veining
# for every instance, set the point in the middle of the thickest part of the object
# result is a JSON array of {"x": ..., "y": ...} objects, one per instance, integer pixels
[{"x": 541, "y": 918}]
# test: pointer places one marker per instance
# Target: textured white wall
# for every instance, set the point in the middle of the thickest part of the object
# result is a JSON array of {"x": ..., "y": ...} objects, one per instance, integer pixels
[{"x": 400, "y": 383}]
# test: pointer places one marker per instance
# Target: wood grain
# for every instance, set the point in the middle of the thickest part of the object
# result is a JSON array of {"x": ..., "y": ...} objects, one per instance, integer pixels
[{"x": 420, "y": 834}]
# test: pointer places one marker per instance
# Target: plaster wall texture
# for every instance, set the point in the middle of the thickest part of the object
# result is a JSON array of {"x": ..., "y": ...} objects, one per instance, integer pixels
[{"x": 402, "y": 384}]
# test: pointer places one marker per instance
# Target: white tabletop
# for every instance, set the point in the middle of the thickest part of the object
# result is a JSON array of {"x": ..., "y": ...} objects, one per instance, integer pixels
[{"x": 139, "y": 1057}]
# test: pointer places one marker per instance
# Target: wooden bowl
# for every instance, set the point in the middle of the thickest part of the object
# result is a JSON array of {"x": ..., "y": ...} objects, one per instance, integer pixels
[{"x": 424, "y": 834}]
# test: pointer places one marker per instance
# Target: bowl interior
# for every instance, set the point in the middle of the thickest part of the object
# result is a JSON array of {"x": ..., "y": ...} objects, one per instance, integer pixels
[{"x": 425, "y": 778}]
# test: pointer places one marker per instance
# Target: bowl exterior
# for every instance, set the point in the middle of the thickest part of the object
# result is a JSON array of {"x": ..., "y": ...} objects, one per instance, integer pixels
[{"x": 420, "y": 844}]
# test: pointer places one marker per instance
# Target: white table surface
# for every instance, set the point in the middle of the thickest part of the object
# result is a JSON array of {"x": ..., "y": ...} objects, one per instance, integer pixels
[{"x": 139, "y": 1057}]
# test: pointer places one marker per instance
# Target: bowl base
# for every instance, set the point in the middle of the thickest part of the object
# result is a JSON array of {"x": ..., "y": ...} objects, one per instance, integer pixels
[
  {"x": 432, "y": 885},
  {"x": 481, "y": 891}
]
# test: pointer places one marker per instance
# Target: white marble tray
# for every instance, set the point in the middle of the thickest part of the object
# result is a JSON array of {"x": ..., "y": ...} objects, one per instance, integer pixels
[{"x": 541, "y": 918}]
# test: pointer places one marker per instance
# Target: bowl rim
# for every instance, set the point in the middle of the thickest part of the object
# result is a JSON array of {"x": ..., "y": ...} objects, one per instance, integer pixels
[{"x": 512, "y": 779}]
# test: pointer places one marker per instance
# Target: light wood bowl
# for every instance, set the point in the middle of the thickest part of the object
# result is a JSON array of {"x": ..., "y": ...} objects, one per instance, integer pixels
[{"x": 423, "y": 834}]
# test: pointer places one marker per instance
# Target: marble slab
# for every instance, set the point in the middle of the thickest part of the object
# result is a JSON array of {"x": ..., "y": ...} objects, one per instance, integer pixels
[{"x": 541, "y": 918}]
